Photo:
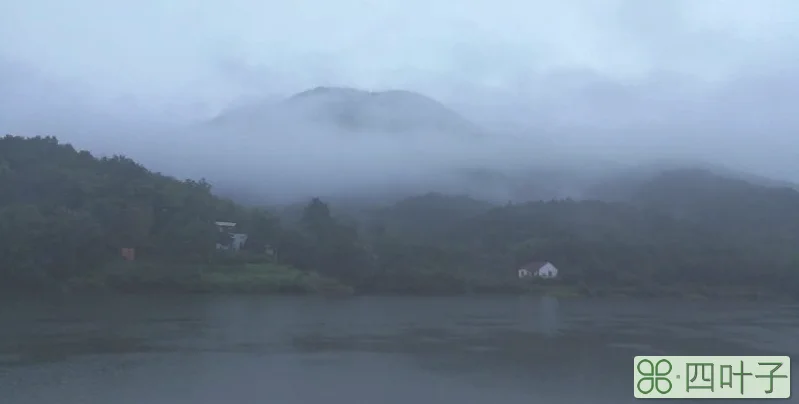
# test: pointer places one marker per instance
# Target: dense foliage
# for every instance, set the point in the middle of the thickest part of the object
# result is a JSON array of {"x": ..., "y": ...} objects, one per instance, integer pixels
[{"x": 65, "y": 215}]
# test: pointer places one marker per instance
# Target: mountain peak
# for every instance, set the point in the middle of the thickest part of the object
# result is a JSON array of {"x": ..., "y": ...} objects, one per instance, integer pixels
[
  {"x": 325, "y": 90},
  {"x": 355, "y": 110}
]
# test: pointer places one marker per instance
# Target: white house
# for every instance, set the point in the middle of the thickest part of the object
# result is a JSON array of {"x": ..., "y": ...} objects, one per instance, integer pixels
[
  {"x": 538, "y": 269},
  {"x": 236, "y": 241},
  {"x": 225, "y": 227}
]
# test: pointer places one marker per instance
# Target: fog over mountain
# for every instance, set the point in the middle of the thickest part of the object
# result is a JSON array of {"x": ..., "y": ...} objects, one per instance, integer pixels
[
  {"x": 513, "y": 100},
  {"x": 351, "y": 111}
]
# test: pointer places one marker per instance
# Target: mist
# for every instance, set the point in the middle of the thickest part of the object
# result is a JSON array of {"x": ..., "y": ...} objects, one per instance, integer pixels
[{"x": 581, "y": 86}]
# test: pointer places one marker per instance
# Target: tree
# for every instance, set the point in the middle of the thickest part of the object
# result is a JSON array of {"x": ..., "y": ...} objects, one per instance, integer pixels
[{"x": 317, "y": 220}]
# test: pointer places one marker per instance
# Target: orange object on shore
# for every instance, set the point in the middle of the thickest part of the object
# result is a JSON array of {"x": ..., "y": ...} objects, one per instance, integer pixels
[{"x": 129, "y": 254}]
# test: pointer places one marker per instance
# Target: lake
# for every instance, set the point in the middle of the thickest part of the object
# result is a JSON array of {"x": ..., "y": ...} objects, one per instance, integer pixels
[{"x": 258, "y": 349}]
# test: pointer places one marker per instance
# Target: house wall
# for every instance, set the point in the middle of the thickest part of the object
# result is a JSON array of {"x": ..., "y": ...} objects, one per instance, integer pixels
[
  {"x": 548, "y": 271},
  {"x": 238, "y": 240}
]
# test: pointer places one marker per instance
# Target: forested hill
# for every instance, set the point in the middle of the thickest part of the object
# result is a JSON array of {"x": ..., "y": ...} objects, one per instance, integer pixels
[
  {"x": 680, "y": 229},
  {"x": 65, "y": 215}
]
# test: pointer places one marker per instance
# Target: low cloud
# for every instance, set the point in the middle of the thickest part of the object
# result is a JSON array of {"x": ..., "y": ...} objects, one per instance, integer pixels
[{"x": 578, "y": 86}]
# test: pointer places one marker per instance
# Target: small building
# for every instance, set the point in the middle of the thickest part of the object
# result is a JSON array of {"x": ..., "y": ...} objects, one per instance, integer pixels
[
  {"x": 238, "y": 241},
  {"x": 538, "y": 269},
  {"x": 229, "y": 240},
  {"x": 225, "y": 227}
]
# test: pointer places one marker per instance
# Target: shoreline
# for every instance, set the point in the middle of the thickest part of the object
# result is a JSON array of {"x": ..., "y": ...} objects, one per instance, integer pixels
[
  {"x": 279, "y": 280},
  {"x": 560, "y": 292}
]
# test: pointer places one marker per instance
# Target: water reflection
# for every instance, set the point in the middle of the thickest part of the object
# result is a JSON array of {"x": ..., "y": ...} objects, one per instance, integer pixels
[
  {"x": 548, "y": 315},
  {"x": 388, "y": 350}
]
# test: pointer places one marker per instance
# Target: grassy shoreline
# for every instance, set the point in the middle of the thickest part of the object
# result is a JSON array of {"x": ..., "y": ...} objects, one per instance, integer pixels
[
  {"x": 260, "y": 278},
  {"x": 275, "y": 279},
  {"x": 243, "y": 286}
]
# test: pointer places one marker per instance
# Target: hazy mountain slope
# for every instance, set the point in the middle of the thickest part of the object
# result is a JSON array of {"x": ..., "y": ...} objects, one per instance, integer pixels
[
  {"x": 426, "y": 217},
  {"x": 699, "y": 194},
  {"x": 305, "y": 138},
  {"x": 698, "y": 201},
  {"x": 419, "y": 217},
  {"x": 678, "y": 229},
  {"x": 623, "y": 184},
  {"x": 352, "y": 111},
  {"x": 537, "y": 182},
  {"x": 746, "y": 213}
]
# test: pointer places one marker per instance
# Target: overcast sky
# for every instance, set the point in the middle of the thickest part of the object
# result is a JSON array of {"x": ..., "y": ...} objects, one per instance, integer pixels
[
  {"x": 211, "y": 50},
  {"x": 710, "y": 76}
]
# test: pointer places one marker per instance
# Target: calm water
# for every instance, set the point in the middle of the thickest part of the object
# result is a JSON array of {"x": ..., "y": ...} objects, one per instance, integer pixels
[{"x": 374, "y": 350}]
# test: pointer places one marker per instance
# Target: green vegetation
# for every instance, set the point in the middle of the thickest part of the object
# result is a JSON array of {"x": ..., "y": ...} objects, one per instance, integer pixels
[
  {"x": 208, "y": 278},
  {"x": 65, "y": 215}
]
